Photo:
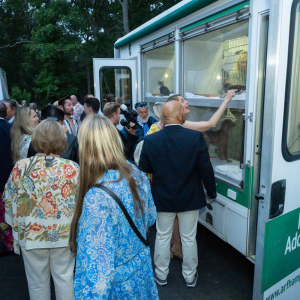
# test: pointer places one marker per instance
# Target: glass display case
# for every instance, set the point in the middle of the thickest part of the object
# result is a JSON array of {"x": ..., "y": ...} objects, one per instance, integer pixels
[
  {"x": 159, "y": 73},
  {"x": 212, "y": 64}
]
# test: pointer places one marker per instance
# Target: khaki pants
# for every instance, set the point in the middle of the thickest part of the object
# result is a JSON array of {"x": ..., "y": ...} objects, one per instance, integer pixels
[
  {"x": 188, "y": 229},
  {"x": 39, "y": 263}
]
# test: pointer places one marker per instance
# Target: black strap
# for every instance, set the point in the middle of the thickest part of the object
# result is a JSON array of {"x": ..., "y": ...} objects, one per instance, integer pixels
[{"x": 115, "y": 197}]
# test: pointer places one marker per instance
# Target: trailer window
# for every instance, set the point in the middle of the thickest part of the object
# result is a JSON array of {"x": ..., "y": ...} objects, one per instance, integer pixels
[
  {"x": 212, "y": 64},
  {"x": 159, "y": 73},
  {"x": 115, "y": 86},
  {"x": 291, "y": 131}
]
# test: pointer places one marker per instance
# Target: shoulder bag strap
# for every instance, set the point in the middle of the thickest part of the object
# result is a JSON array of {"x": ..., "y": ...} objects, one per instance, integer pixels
[{"x": 114, "y": 196}]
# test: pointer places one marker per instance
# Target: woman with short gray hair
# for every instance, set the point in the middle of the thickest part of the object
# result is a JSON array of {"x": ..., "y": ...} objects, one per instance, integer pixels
[{"x": 39, "y": 203}]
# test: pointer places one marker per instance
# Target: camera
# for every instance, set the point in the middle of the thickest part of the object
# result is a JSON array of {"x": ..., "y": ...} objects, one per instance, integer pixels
[{"x": 129, "y": 116}]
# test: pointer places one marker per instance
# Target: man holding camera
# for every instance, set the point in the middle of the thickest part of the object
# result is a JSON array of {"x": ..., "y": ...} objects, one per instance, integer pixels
[
  {"x": 142, "y": 122},
  {"x": 112, "y": 111}
]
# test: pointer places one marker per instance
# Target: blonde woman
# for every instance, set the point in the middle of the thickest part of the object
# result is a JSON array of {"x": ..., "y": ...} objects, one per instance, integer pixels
[
  {"x": 203, "y": 125},
  {"x": 112, "y": 262},
  {"x": 157, "y": 108},
  {"x": 39, "y": 205},
  {"x": 21, "y": 131}
]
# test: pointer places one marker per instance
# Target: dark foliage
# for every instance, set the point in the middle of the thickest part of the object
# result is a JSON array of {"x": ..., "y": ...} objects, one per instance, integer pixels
[{"x": 47, "y": 47}]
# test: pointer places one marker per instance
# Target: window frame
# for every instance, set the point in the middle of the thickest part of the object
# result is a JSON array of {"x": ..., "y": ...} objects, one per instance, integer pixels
[
  {"x": 144, "y": 69},
  {"x": 100, "y": 82},
  {"x": 203, "y": 29},
  {"x": 287, "y": 155},
  {"x": 184, "y": 39}
]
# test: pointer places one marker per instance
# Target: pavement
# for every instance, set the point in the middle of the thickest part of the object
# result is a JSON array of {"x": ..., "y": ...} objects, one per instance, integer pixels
[{"x": 224, "y": 273}]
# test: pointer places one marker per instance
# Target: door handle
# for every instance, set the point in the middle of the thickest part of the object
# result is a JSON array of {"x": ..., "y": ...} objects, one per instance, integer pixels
[
  {"x": 277, "y": 198},
  {"x": 259, "y": 197}
]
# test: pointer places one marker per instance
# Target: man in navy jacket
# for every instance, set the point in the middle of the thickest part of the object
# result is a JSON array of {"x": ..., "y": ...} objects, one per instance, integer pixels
[
  {"x": 180, "y": 163},
  {"x": 6, "y": 165},
  {"x": 5, "y": 149}
]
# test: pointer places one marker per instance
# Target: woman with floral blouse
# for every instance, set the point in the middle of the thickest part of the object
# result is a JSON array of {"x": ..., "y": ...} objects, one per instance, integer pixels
[{"x": 39, "y": 204}]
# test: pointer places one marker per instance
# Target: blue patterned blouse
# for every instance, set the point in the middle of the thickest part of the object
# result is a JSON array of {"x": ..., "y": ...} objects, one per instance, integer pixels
[{"x": 112, "y": 262}]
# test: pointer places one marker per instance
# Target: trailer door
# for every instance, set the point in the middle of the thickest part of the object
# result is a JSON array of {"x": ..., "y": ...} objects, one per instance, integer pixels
[
  {"x": 277, "y": 266},
  {"x": 115, "y": 80}
]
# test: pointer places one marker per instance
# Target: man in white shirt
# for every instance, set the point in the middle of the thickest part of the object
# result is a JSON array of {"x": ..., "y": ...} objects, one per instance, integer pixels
[{"x": 71, "y": 125}]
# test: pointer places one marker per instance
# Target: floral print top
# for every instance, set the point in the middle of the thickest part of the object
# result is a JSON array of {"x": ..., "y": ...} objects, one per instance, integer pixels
[
  {"x": 78, "y": 110},
  {"x": 155, "y": 128},
  {"x": 112, "y": 262},
  {"x": 39, "y": 201}
]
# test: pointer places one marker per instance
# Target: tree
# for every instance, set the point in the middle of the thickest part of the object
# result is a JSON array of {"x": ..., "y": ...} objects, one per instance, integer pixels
[
  {"x": 124, "y": 4},
  {"x": 15, "y": 34},
  {"x": 57, "y": 50},
  {"x": 47, "y": 47},
  {"x": 19, "y": 95}
]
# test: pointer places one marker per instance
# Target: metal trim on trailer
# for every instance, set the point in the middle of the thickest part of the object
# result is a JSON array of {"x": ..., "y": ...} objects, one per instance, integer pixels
[
  {"x": 218, "y": 15},
  {"x": 142, "y": 74},
  {"x": 158, "y": 42},
  {"x": 220, "y": 22},
  {"x": 285, "y": 152},
  {"x": 258, "y": 129},
  {"x": 157, "y": 36},
  {"x": 268, "y": 139},
  {"x": 210, "y": 13},
  {"x": 178, "y": 62}
]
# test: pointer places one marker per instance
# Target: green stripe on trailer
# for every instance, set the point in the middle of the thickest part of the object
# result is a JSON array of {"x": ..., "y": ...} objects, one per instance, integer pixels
[
  {"x": 216, "y": 16},
  {"x": 172, "y": 17},
  {"x": 248, "y": 186},
  {"x": 243, "y": 198},
  {"x": 222, "y": 189}
]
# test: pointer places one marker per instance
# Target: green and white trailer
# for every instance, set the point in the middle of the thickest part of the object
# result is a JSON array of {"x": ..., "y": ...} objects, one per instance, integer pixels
[{"x": 199, "y": 48}]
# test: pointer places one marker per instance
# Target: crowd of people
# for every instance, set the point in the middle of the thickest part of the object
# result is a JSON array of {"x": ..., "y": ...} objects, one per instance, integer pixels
[{"x": 75, "y": 190}]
